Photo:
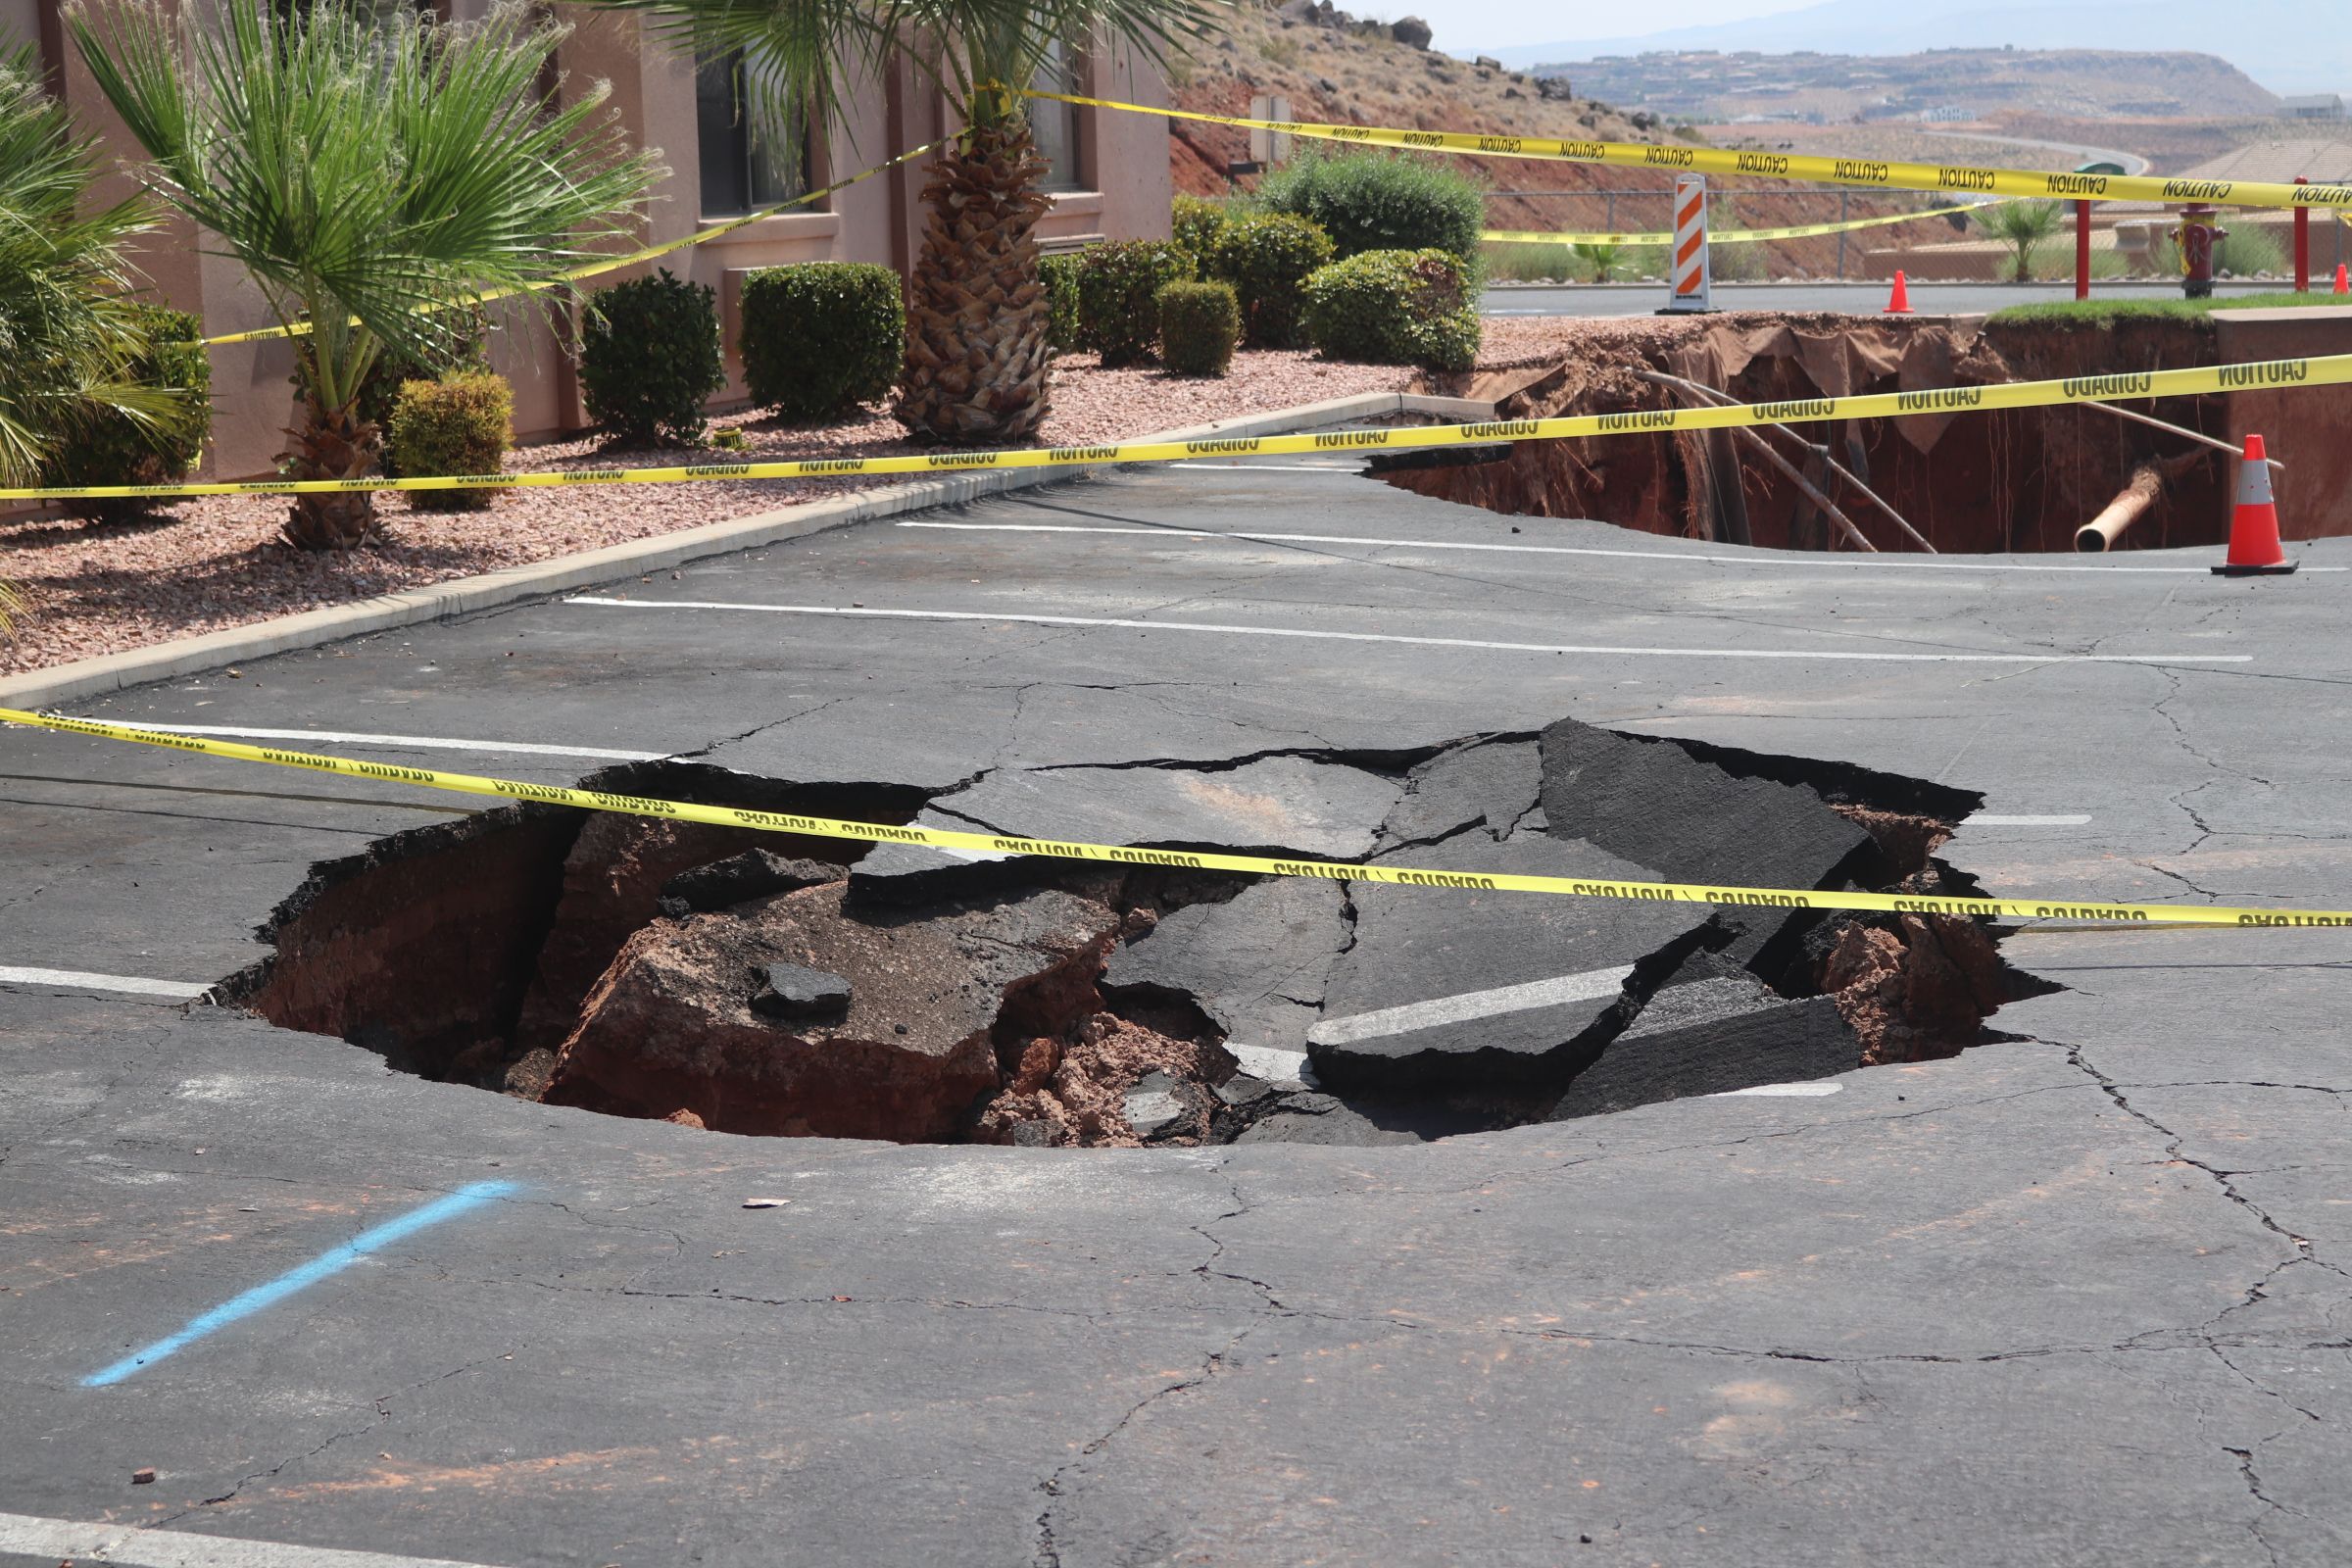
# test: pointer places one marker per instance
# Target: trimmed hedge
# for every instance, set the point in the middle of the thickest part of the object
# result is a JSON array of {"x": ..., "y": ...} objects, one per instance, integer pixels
[
  {"x": 1395, "y": 308},
  {"x": 1197, "y": 325},
  {"x": 1267, "y": 257},
  {"x": 463, "y": 423},
  {"x": 468, "y": 349},
  {"x": 1059, "y": 277},
  {"x": 822, "y": 337},
  {"x": 1368, "y": 201},
  {"x": 111, "y": 449},
  {"x": 1194, "y": 224},
  {"x": 1119, "y": 315},
  {"x": 649, "y": 357}
]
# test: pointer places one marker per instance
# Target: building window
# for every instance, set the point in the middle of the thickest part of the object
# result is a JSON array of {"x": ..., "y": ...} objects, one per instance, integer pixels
[
  {"x": 1054, "y": 125},
  {"x": 743, "y": 166}
]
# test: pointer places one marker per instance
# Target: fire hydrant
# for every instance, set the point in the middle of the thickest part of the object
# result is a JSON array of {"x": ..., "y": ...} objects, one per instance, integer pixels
[{"x": 2198, "y": 237}]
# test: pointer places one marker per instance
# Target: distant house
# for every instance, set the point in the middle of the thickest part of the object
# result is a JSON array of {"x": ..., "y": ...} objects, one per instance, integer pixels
[{"x": 2313, "y": 106}]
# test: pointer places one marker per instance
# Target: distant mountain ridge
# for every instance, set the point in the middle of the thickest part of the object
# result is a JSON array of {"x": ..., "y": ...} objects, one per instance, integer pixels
[
  {"x": 1710, "y": 87},
  {"x": 2289, "y": 46}
]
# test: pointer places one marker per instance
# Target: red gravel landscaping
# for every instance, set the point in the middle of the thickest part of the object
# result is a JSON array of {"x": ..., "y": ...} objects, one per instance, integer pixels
[{"x": 92, "y": 589}]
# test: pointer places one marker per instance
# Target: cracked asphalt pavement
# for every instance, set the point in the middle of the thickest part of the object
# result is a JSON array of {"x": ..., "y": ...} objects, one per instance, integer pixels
[{"x": 2078, "y": 1297}]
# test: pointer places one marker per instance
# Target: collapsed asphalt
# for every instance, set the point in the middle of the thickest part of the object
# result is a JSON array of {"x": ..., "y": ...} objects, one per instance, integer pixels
[{"x": 2077, "y": 1295}]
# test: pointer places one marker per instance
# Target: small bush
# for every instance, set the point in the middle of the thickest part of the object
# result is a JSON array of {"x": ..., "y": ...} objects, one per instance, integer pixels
[
  {"x": 1267, "y": 256},
  {"x": 649, "y": 358},
  {"x": 1117, "y": 284},
  {"x": 822, "y": 337},
  {"x": 109, "y": 449},
  {"x": 1197, "y": 325},
  {"x": 2249, "y": 252},
  {"x": 467, "y": 348},
  {"x": 1395, "y": 308},
  {"x": 463, "y": 423},
  {"x": 1059, "y": 275},
  {"x": 1195, "y": 223},
  {"x": 1369, "y": 201}
]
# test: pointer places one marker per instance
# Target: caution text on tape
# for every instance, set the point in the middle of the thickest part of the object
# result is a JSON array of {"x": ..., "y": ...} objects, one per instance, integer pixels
[
  {"x": 1866, "y": 173},
  {"x": 1002, "y": 844},
  {"x": 2193, "y": 382}
]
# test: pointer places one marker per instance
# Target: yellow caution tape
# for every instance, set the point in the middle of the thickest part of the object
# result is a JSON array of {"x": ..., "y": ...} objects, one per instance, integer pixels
[
  {"x": 1861, "y": 173},
  {"x": 613, "y": 263},
  {"x": 1190, "y": 859},
  {"x": 2328, "y": 371},
  {"x": 1521, "y": 236}
]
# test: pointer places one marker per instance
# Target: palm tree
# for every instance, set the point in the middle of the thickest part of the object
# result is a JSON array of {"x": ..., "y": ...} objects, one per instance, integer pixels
[
  {"x": 70, "y": 331},
  {"x": 372, "y": 169},
  {"x": 976, "y": 348},
  {"x": 2023, "y": 226}
]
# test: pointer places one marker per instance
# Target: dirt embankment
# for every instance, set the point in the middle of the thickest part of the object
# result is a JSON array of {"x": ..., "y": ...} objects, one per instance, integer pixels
[{"x": 1970, "y": 481}]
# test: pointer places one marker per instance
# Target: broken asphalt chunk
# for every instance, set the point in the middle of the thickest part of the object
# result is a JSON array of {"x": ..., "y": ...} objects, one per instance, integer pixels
[
  {"x": 794, "y": 992},
  {"x": 1470, "y": 987},
  {"x": 739, "y": 878},
  {"x": 1656, "y": 803}
]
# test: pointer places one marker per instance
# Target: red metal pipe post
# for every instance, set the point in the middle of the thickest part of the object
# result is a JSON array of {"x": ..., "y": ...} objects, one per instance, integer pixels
[
  {"x": 2081, "y": 250},
  {"x": 2302, "y": 244}
]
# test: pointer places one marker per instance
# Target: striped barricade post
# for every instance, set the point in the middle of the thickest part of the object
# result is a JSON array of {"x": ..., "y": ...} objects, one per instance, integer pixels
[{"x": 1692, "y": 287}]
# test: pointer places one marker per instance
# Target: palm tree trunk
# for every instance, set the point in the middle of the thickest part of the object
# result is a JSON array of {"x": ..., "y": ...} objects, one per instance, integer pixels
[
  {"x": 334, "y": 444},
  {"x": 976, "y": 350}
]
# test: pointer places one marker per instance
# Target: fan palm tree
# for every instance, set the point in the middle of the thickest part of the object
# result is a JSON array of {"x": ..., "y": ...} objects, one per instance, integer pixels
[
  {"x": 372, "y": 169},
  {"x": 2023, "y": 226},
  {"x": 70, "y": 331},
  {"x": 976, "y": 348}
]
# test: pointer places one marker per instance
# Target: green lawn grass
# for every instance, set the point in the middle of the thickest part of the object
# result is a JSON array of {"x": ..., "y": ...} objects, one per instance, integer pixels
[{"x": 2103, "y": 314}]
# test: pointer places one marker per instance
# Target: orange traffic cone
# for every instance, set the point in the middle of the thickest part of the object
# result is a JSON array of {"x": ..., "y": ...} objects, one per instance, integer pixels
[
  {"x": 1899, "y": 302},
  {"x": 2344, "y": 279},
  {"x": 2254, "y": 526}
]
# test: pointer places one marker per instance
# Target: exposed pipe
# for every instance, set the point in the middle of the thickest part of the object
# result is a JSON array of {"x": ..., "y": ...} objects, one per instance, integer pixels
[
  {"x": 1726, "y": 400},
  {"x": 1805, "y": 488},
  {"x": 2131, "y": 503},
  {"x": 2137, "y": 499},
  {"x": 2181, "y": 431}
]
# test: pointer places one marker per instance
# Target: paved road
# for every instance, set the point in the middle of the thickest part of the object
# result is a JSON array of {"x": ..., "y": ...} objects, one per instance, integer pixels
[
  {"x": 2079, "y": 1296},
  {"x": 1865, "y": 299},
  {"x": 2131, "y": 163}
]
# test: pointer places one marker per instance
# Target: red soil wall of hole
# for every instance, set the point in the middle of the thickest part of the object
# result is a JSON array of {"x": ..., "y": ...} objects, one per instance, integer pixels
[{"x": 2022, "y": 480}]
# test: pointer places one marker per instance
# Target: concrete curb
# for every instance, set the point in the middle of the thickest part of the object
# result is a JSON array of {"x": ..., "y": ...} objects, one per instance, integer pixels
[{"x": 111, "y": 672}]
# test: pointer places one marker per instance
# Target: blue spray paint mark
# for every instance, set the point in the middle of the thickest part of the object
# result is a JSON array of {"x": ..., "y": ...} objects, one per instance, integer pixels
[{"x": 330, "y": 1262}]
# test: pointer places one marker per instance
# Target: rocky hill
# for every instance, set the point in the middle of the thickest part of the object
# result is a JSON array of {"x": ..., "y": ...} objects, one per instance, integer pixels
[{"x": 1939, "y": 84}]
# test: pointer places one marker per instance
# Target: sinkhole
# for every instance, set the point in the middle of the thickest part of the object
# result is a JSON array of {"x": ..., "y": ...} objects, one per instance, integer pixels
[{"x": 770, "y": 984}]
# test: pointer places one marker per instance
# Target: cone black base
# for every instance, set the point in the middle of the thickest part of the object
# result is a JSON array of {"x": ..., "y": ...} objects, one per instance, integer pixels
[{"x": 2280, "y": 571}]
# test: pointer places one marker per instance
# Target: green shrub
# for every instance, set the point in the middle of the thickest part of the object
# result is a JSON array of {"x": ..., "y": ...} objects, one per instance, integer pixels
[
  {"x": 1195, "y": 223},
  {"x": 463, "y": 423},
  {"x": 1197, "y": 325},
  {"x": 1266, "y": 256},
  {"x": 467, "y": 349},
  {"x": 822, "y": 337},
  {"x": 1395, "y": 308},
  {"x": 1117, "y": 317},
  {"x": 111, "y": 449},
  {"x": 649, "y": 358},
  {"x": 1059, "y": 275},
  {"x": 1368, "y": 201}
]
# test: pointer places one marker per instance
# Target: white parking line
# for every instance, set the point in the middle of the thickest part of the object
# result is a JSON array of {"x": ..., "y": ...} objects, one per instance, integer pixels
[
  {"x": 77, "y": 980},
  {"x": 1840, "y": 654},
  {"x": 1989, "y": 819},
  {"x": 1760, "y": 558},
  {"x": 131, "y": 1547},
  {"x": 1784, "y": 1091},
  {"x": 430, "y": 743},
  {"x": 1469, "y": 1005}
]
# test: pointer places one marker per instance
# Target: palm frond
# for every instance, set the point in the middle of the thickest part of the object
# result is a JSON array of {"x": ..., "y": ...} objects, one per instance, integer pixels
[{"x": 370, "y": 170}]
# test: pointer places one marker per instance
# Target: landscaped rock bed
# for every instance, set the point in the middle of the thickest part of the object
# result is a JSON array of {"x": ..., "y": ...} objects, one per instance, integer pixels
[{"x": 769, "y": 984}]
